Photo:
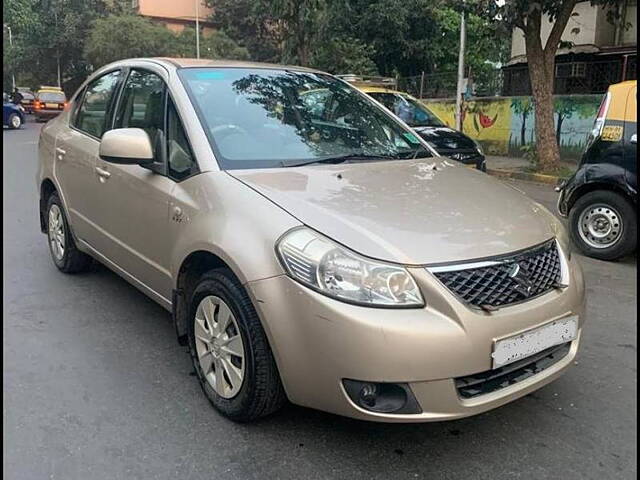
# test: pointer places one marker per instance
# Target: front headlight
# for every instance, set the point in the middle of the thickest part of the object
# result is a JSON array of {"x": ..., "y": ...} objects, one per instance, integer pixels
[
  {"x": 331, "y": 269},
  {"x": 478, "y": 147}
]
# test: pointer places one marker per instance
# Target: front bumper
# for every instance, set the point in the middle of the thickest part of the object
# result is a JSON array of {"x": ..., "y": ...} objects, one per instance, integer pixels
[{"x": 318, "y": 342}]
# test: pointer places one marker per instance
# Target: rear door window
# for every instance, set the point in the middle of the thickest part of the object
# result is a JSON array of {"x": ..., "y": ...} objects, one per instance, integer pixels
[{"x": 93, "y": 113}]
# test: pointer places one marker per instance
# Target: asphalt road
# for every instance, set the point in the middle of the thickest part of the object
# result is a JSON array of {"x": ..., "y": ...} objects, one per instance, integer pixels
[{"x": 96, "y": 387}]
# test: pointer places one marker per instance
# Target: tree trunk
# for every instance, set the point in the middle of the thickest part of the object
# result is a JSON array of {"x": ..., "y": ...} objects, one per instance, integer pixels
[
  {"x": 523, "y": 129},
  {"x": 542, "y": 60},
  {"x": 541, "y": 73}
]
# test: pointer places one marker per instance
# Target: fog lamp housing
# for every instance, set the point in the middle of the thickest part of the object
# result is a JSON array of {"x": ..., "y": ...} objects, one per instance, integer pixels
[{"x": 396, "y": 398}]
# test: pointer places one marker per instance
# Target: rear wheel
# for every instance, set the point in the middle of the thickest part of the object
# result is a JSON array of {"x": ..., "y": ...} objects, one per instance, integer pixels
[
  {"x": 64, "y": 252},
  {"x": 230, "y": 350},
  {"x": 15, "y": 121},
  {"x": 603, "y": 225}
]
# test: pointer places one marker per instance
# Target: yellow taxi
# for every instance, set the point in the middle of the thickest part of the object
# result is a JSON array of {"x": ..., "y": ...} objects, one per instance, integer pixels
[
  {"x": 445, "y": 140},
  {"x": 49, "y": 102},
  {"x": 601, "y": 198}
]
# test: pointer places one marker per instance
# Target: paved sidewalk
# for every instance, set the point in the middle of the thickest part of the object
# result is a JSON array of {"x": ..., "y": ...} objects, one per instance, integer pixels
[{"x": 520, "y": 168}]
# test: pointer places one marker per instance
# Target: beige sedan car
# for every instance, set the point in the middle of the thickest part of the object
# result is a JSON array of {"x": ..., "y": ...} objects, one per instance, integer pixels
[{"x": 309, "y": 246}]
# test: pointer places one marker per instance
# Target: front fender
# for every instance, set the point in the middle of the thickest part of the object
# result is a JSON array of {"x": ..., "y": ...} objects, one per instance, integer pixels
[{"x": 223, "y": 216}]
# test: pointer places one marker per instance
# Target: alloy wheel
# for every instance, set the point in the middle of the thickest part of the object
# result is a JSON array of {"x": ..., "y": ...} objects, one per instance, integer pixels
[
  {"x": 219, "y": 346},
  {"x": 56, "y": 232}
]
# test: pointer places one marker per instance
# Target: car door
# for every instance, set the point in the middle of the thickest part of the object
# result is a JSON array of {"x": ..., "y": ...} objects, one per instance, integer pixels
[
  {"x": 76, "y": 149},
  {"x": 132, "y": 202}
]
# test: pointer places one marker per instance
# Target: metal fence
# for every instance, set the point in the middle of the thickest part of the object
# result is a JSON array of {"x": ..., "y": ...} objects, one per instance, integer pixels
[{"x": 594, "y": 77}]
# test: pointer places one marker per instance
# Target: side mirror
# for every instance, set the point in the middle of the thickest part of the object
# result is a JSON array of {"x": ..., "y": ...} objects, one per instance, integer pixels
[{"x": 128, "y": 146}]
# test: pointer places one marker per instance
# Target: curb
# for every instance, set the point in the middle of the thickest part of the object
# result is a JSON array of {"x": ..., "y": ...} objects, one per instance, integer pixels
[{"x": 529, "y": 177}]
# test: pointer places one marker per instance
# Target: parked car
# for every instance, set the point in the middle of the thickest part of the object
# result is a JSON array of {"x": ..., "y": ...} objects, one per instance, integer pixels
[
  {"x": 12, "y": 114},
  {"x": 320, "y": 253},
  {"x": 447, "y": 141},
  {"x": 28, "y": 98},
  {"x": 600, "y": 198},
  {"x": 49, "y": 103}
]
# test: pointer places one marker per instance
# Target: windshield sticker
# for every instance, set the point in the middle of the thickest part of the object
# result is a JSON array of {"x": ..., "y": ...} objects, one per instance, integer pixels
[{"x": 411, "y": 138}]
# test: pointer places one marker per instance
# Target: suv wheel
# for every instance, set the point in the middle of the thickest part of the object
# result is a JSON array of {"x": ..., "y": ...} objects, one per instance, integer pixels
[
  {"x": 603, "y": 225},
  {"x": 64, "y": 252},
  {"x": 15, "y": 121},
  {"x": 230, "y": 351}
]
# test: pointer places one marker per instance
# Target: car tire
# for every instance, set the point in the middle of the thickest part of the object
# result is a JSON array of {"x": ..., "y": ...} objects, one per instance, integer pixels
[
  {"x": 15, "y": 122},
  {"x": 64, "y": 253},
  {"x": 616, "y": 211},
  {"x": 260, "y": 392}
]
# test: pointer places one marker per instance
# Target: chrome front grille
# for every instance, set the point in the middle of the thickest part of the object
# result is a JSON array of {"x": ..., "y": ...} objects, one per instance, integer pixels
[{"x": 502, "y": 281}]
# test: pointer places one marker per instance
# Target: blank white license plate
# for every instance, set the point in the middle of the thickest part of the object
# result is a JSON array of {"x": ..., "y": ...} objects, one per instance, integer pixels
[
  {"x": 51, "y": 105},
  {"x": 525, "y": 344}
]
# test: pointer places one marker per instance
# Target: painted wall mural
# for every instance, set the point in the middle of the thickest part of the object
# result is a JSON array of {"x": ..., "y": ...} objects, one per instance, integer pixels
[{"x": 504, "y": 124}]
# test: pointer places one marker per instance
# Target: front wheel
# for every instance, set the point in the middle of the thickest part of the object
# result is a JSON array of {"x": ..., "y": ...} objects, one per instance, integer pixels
[
  {"x": 230, "y": 351},
  {"x": 15, "y": 121},
  {"x": 603, "y": 225}
]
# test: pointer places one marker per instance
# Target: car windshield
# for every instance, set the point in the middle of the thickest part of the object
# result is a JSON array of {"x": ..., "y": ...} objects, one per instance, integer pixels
[
  {"x": 408, "y": 109},
  {"x": 51, "y": 97},
  {"x": 262, "y": 118}
]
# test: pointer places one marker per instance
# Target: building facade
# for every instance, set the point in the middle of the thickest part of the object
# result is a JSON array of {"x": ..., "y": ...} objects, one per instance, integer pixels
[
  {"x": 175, "y": 14},
  {"x": 601, "y": 52}
]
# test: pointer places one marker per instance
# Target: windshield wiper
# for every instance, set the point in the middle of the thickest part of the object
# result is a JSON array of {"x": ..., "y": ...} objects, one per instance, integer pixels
[{"x": 350, "y": 157}]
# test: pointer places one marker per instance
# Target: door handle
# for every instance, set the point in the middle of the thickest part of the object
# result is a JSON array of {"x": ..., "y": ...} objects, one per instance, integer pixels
[
  {"x": 102, "y": 173},
  {"x": 61, "y": 153}
]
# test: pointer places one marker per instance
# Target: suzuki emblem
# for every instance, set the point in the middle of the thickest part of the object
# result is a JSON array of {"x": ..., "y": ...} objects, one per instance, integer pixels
[{"x": 520, "y": 275}]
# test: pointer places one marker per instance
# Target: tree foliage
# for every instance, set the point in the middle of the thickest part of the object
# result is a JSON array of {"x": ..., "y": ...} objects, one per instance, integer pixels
[
  {"x": 404, "y": 37},
  {"x": 50, "y": 33},
  {"x": 212, "y": 45},
  {"x": 127, "y": 36}
]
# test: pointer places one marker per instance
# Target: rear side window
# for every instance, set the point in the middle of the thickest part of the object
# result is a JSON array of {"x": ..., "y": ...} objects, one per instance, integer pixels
[{"x": 93, "y": 112}]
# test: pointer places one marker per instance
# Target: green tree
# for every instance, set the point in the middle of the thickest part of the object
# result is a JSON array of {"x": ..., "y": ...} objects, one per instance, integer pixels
[
  {"x": 529, "y": 17},
  {"x": 251, "y": 25},
  {"x": 300, "y": 20},
  {"x": 127, "y": 36},
  {"x": 345, "y": 55},
  {"x": 213, "y": 45},
  {"x": 48, "y": 38}
]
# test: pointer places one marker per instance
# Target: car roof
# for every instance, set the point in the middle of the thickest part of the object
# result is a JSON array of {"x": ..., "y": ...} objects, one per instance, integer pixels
[
  {"x": 623, "y": 86},
  {"x": 222, "y": 63}
]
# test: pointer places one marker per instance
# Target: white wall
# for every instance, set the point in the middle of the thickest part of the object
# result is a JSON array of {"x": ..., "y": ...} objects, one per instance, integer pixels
[{"x": 594, "y": 29}]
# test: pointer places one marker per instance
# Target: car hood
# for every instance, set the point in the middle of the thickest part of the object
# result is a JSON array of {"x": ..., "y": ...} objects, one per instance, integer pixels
[
  {"x": 410, "y": 212},
  {"x": 445, "y": 138}
]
